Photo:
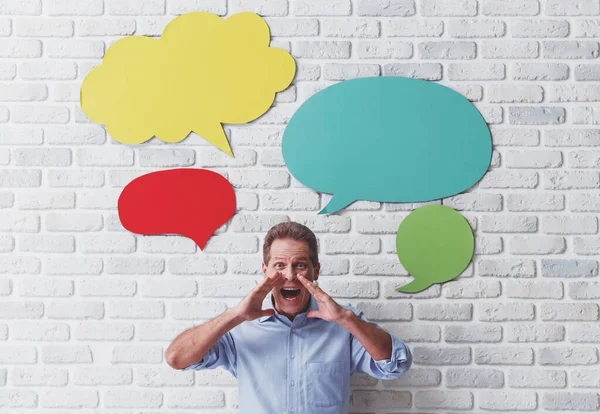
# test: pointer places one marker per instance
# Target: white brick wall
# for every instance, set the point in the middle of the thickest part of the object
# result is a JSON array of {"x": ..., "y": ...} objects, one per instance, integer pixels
[{"x": 87, "y": 309}]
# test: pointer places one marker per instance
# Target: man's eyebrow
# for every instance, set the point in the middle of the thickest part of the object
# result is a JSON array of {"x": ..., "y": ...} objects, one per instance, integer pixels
[{"x": 295, "y": 258}]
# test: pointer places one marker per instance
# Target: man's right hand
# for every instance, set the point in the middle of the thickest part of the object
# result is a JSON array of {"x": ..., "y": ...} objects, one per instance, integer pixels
[{"x": 250, "y": 307}]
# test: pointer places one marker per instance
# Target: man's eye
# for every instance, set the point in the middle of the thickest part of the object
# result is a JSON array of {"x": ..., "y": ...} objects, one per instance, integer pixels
[
  {"x": 301, "y": 265},
  {"x": 279, "y": 265}
]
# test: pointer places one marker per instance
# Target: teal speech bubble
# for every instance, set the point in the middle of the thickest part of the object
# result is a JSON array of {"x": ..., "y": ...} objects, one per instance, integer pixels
[{"x": 387, "y": 139}]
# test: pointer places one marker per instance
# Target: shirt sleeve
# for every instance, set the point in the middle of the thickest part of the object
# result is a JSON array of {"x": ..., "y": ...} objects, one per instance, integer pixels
[
  {"x": 395, "y": 367},
  {"x": 221, "y": 354}
]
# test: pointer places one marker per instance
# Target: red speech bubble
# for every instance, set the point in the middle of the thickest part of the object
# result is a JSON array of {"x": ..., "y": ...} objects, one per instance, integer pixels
[{"x": 186, "y": 201}]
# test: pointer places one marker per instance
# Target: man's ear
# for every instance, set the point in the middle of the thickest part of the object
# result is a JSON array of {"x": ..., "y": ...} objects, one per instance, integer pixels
[
  {"x": 264, "y": 268},
  {"x": 317, "y": 270}
]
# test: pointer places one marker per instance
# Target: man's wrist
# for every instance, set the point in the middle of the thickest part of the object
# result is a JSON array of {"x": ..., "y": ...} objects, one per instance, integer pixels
[
  {"x": 346, "y": 318},
  {"x": 234, "y": 316}
]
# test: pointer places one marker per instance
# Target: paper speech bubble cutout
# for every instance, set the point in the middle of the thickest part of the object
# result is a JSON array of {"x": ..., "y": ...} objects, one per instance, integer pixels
[
  {"x": 434, "y": 244},
  {"x": 202, "y": 72},
  {"x": 387, "y": 139},
  {"x": 186, "y": 201}
]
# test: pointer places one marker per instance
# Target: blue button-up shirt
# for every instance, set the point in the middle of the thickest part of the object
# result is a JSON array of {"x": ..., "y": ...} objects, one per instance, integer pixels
[{"x": 299, "y": 367}]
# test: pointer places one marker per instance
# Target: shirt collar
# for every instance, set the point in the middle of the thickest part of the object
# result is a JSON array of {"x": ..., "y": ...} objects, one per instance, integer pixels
[{"x": 268, "y": 303}]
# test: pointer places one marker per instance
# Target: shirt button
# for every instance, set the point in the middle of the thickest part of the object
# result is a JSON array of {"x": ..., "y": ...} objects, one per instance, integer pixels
[
  {"x": 293, "y": 383},
  {"x": 292, "y": 410},
  {"x": 293, "y": 329},
  {"x": 292, "y": 356}
]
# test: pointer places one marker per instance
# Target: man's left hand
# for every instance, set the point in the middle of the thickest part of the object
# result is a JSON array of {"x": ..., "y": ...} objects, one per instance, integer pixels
[{"x": 329, "y": 310}]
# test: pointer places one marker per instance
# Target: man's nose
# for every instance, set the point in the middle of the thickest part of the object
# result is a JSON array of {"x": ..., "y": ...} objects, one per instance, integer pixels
[{"x": 289, "y": 273}]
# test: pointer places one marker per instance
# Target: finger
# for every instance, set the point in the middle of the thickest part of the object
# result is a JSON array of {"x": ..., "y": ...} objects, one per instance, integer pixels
[
  {"x": 313, "y": 314},
  {"x": 267, "y": 284},
  {"x": 314, "y": 290},
  {"x": 308, "y": 284}
]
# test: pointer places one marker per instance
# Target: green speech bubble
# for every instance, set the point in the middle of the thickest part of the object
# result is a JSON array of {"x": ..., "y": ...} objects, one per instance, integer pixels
[{"x": 434, "y": 244}]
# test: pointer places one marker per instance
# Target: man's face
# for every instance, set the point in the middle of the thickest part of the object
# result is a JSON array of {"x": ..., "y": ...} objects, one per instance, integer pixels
[{"x": 290, "y": 258}]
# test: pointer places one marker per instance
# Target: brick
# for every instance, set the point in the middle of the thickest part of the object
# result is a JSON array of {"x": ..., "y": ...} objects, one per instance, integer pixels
[
  {"x": 536, "y": 378},
  {"x": 527, "y": 289},
  {"x": 416, "y": 377},
  {"x": 516, "y": 93},
  {"x": 47, "y": 114},
  {"x": 513, "y": 49},
  {"x": 536, "y": 115},
  {"x": 506, "y": 268},
  {"x": 135, "y": 354},
  {"x": 44, "y": 28},
  {"x": 572, "y": 137},
  {"x": 345, "y": 71},
  {"x": 536, "y": 333},
  {"x": 502, "y": 312},
  {"x": 21, "y": 7},
  {"x": 42, "y": 157},
  {"x": 322, "y": 8},
  {"x": 540, "y": 71},
  {"x": 425, "y": 71},
  {"x": 567, "y": 356},
  {"x": 8, "y": 71},
  {"x": 585, "y": 202},
  {"x": 565, "y": 180},
  {"x": 587, "y": 72},
  {"x": 569, "y": 312},
  {"x": 135, "y": 7},
  {"x": 540, "y": 28},
  {"x": 585, "y": 334},
  {"x": 386, "y": 8},
  {"x": 474, "y": 378},
  {"x": 584, "y": 290},
  {"x": 134, "y": 265},
  {"x": 476, "y": 28},
  {"x": 458, "y": 400},
  {"x": 569, "y": 268},
  {"x": 472, "y": 334},
  {"x": 323, "y": 49},
  {"x": 510, "y": 7},
  {"x": 218, "y": 7},
  {"x": 574, "y": 93},
  {"x": 586, "y": 28},
  {"x": 572, "y": 8},
  {"x": 444, "y": 312},
  {"x": 534, "y": 159},
  {"x": 448, "y": 8},
  {"x": 571, "y": 49},
  {"x": 585, "y": 378},
  {"x": 503, "y": 355},
  {"x": 290, "y": 200},
  {"x": 570, "y": 225},
  {"x": 508, "y": 401},
  {"x": 472, "y": 289},
  {"x": 459, "y": 355},
  {"x": 105, "y": 376},
  {"x": 447, "y": 50},
  {"x": 48, "y": 70},
  {"x": 537, "y": 245},
  {"x": 75, "y": 178},
  {"x": 476, "y": 71},
  {"x": 39, "y": 376},
  {"x": 106, "y": 27},
  {"x": 75, "y": 7},
  {"x": 195, "y": 399},
  {"x": 390, "y": 49},
  {"x": 27, "y": 178},
  {"x": 571, "y": 401},
  {"x": 107, "y": 287},
  {"x": 509, "y": 179},
  {"x": 586, "y": 115}
]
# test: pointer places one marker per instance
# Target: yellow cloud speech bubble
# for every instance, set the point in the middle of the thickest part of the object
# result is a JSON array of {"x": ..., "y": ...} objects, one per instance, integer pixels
[{"x": 202, "y": 72}]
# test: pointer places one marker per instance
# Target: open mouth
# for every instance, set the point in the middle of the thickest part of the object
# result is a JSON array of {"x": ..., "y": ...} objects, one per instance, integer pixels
[{"x": 289, "y": 294}]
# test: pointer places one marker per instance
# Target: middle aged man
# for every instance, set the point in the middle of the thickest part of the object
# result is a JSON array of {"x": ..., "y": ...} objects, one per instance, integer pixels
[{"x": 295, "y": 350}]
